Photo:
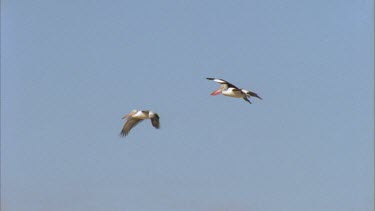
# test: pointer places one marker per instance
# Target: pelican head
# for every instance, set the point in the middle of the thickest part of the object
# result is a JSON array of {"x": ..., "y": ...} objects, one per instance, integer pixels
[{"x": 223, "y": 87}]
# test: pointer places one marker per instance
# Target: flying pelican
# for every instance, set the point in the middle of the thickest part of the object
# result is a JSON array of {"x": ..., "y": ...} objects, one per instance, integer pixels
[
  {"x": 231, "y": 90},
  {"x": 137, "y": 116}
]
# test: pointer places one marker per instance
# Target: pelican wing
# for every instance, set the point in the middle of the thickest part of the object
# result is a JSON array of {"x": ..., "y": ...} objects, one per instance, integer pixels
[
  {"x": 155, "y": 121},
  {"x": 249, "y": 93},
  {"x": 132, "y": 122},
  {"x": 221, "y": 81}
]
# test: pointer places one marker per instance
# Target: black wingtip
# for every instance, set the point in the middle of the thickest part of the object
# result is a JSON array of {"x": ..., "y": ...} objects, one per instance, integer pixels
[
  {"x": 155, "y": 121},
  {"x": 257, "y": 96},
  {"x": 246, "y": 99},
  {"x": 123, "y": 134},
  {"x": 253, "y": 94},
  {"x": 210, "y": 79}
]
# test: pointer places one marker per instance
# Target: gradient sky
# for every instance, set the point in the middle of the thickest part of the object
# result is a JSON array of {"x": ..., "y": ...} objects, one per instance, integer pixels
[{"x": 71, "y": 69}]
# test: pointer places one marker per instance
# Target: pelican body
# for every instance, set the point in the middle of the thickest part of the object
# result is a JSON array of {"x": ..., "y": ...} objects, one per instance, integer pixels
[
  {"x": 230, "y": 90},
  {"x": 137, "y": 116}
]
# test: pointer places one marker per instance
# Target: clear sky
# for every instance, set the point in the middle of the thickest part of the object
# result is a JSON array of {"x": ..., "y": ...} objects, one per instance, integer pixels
[{"x": 71, "y": 69}]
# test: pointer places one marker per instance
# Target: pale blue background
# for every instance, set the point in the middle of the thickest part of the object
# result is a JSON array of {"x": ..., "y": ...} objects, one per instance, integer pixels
[{"x": 72, "y": 69}]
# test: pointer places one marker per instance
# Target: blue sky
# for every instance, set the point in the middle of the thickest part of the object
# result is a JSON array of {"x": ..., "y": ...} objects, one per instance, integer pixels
[{"x": 71, "y": 69}]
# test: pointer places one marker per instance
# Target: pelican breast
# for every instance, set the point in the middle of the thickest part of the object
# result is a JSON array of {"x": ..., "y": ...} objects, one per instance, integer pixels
[{"x": 232, "y": 92}]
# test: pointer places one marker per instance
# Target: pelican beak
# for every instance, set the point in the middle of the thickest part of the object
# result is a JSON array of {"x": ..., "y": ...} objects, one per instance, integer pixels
[{"x": 216, "y": 92}]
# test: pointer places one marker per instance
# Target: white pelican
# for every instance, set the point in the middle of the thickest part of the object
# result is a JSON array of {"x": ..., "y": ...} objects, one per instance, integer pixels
[
  {"x": 137, "y": 116},
  {"x": 231, "y": 90}
]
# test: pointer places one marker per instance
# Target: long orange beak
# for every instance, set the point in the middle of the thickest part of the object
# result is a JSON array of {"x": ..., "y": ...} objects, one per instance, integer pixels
[{"x": 216, "y": 92}]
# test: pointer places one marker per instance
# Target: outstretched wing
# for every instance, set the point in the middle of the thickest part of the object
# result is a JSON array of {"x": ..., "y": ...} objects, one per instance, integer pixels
[
  {"x": 155, "y": 121},
  {"x": 221, "y": 81},
  {"x": 132, "y": 122}
]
